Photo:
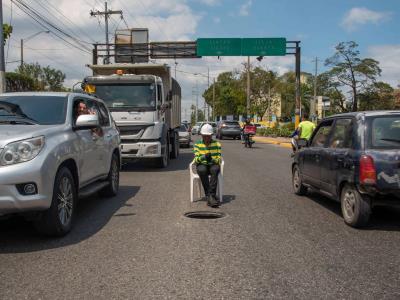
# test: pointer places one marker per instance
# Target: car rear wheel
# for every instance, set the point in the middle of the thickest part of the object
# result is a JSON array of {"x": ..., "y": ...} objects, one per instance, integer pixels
[
  {"x": 113, "y": 178},
  {"x": 356, "y": 208},
  {"x": 58, "y": 219},
  {"x": 297, "y": 183}
]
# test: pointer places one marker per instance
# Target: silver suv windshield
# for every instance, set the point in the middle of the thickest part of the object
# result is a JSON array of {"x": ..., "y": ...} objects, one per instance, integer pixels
[
  {"x": 128, "y": 96},
  {"x": 42, "y": 110}
]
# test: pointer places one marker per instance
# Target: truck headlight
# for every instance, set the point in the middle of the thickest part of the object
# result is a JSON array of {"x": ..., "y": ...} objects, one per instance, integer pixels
[
  {"x": 21, "y": 151},
  {"x": 153, "y": 149}
]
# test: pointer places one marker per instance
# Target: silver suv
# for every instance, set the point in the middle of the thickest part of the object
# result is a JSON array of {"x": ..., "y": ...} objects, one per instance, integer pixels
[{"x": 55, "y": 148}]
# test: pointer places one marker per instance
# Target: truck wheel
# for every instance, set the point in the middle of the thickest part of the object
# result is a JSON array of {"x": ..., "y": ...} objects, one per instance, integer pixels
[
  {"x": 356, "y": 208},
  {"x": 298, "y": 187},
  {"x": 175, "y": 147},
  {"x": 113, "y": 178},
  {"x": 58, "y": 219},
  {"x": 162, "y": 162}
]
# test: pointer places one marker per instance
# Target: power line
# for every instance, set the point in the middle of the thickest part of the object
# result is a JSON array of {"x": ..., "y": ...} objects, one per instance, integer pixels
[
  {"x": 68, "y": 20},
  {"x": 45, "y": 23}
]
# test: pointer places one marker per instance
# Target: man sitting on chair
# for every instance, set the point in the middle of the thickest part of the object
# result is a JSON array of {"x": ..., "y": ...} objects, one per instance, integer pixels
[{"x": 207, "y": 157}]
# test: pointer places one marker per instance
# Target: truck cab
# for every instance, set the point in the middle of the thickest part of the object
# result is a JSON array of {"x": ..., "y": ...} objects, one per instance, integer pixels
[{"x": 144, "y": 101}]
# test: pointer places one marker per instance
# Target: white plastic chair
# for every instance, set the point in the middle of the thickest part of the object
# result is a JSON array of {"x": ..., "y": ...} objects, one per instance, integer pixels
[{"x": 195, "y": 181}]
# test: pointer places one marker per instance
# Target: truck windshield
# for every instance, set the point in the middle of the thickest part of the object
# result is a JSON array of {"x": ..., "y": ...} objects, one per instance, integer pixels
[
  {"x": 384, "y": 132},
  {"x": 128, "y": 96}
]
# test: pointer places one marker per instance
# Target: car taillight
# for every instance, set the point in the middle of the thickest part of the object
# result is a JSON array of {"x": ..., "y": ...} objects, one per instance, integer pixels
[{"x": 367, "y": 170}]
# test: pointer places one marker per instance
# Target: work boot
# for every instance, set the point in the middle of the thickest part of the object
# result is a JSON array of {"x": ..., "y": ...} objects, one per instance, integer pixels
[{"x": 212, "y": 201}]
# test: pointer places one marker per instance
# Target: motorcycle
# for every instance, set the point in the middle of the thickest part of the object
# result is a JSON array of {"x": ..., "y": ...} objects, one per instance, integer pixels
[
  {"x": 248, "y": 132},
  {"x": 248, "y": 140}
]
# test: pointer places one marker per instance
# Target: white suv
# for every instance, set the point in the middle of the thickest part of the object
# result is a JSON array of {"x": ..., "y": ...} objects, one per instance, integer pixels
[{"x": 55, "y": 148}]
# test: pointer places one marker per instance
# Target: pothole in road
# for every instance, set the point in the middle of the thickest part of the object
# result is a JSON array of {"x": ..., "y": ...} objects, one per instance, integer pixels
[{"x": 204, "y": 215}]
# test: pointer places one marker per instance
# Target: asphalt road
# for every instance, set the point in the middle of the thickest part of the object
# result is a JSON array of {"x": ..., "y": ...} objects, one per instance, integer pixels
[{"x": 271, "y": 244}]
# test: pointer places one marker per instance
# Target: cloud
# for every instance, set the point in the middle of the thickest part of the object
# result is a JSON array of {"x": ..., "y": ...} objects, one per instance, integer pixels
[
  {"x": 211, "y": 2},
  {"x": 167, "y": 20},
  {"x": 389, "y": 61},
  {"x": 217, "y": 20},
  {"x": 359, "y": 16},
  {"x": 244, "y": 8}
]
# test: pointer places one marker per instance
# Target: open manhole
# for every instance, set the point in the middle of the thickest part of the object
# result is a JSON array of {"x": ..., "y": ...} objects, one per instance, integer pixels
[{"x": 204, "y": 215}]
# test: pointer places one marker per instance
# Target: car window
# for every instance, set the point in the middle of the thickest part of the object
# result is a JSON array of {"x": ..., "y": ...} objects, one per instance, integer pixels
[
  {"x": 322, "y": 134},
  {"x": 182, "y": 128},
  {"x": 45, "y": 110},
  {"x": 105, "y": 118},
  {"x": 384, "y": 132},
  {"x": 83, "y": 106},
  {"x": 342, "y": 134}
]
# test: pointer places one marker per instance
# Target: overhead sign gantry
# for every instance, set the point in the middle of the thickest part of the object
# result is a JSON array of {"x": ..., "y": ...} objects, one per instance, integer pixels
[{"x": 136, "y": 52}]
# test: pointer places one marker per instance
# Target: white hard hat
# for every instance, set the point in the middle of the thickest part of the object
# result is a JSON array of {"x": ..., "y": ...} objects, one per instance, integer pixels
[{"x": 206, "y": 129}]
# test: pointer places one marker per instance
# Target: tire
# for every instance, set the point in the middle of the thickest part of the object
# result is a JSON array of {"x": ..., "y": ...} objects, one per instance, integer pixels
[
  {"x": 297, "y": 184},
  {"x": 356, "y": 208},
  {"x": 58, "y": 221},
  {"x": 175, "y": 147},
  {"x": 112, "y": 188},
  {"x": 162, "y": 162}
]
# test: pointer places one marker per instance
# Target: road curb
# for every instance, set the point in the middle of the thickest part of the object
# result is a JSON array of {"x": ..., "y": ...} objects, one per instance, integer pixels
[{"x": 266, "y": 140}]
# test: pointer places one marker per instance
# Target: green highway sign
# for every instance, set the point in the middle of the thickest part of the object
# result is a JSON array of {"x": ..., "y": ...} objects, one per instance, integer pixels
[
  {"x": 219, "y": 47},
  {"x": 263, "y": 47},
  {"x": 241, "y": 47}
]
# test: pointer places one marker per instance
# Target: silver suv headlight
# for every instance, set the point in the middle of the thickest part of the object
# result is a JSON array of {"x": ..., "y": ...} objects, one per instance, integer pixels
[{"x": 21, "y": 151}]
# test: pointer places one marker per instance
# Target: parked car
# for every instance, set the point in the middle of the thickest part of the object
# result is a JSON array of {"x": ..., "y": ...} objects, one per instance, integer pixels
[
  {"x": 353, "y": 158},
  {"x": 230, "y": 129},
  {"x": 185, "y": 136},
  {"x": 55, "y": 148},
  {"x": 196, "y": 128}
]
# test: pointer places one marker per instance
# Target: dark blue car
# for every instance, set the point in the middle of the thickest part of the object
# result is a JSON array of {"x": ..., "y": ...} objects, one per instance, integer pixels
[{"x": 353, "y": 158}]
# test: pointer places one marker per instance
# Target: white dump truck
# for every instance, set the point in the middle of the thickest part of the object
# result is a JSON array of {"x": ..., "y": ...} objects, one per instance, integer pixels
[{"x": 145, "y": 102}]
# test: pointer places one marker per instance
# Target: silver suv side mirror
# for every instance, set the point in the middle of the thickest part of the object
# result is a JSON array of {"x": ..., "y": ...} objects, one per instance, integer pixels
[{"x": 86, "y": 122}]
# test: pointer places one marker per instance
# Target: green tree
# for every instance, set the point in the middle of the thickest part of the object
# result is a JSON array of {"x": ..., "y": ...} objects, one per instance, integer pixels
[
  {"x": 286, "y": 87},
  {"x": 328, "y": 87},
  {"x": 200, "y": 115},
  {"x": 351, "y": 71},
  {"x": 378, "y": 96},
  {"x": 45, "y": 79},
  {"x": 7, "y": 30},
  {"x": 262, "y": 89},
  {"x": 230, "y": 99}
]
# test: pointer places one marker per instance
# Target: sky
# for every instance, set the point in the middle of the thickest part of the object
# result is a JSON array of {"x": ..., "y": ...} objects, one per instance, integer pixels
[{"x": 319, "y": 25}]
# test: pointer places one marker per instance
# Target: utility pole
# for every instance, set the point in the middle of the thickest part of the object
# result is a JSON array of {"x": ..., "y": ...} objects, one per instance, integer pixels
[
  {"x": 208, "y": 86},
  {"x": 197, "y": 102},
  {"x": 248, "y": 88},
  {"x": 106, "y": 13},
  {"x": 2, "y": 64},
  {"x": 213, "y": 102},
  {"x": 314, "y": 101},
  {"x": 298, "y": 85}
]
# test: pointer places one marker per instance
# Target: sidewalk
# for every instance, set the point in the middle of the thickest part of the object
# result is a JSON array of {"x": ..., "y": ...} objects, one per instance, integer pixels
[{"x": 280, "y": 141}]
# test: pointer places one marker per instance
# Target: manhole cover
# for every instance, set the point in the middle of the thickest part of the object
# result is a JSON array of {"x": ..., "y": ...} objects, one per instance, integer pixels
[{"x": 204, "y": 215}]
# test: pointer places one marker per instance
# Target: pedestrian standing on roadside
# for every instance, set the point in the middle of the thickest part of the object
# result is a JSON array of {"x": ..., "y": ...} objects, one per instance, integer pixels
[
  {"x": 207, "y": 157},
  {"x": 306, "y": 128}
]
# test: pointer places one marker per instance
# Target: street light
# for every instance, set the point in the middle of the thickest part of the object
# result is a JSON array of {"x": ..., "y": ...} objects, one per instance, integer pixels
[{"x": 26, "y": 39}]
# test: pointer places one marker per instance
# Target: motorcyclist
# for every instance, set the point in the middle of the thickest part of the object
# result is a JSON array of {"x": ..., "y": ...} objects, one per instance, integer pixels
[{"x": 247, "y": 127}]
